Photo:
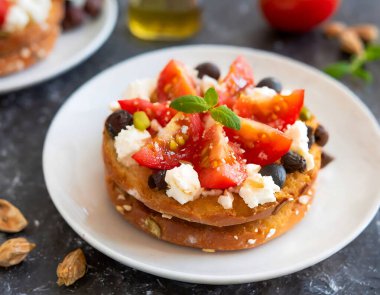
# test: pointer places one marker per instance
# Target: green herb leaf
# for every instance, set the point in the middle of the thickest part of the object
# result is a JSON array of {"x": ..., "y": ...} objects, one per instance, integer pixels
[
  {"x": 225, "y": 116},
  {"x": 338, "y": 70},
  {"x": 372, "y": 52},
  {"x": 190, "y": 104},
  {"x": 363, "y": 74},
  {"x": 211, "y": 97}
]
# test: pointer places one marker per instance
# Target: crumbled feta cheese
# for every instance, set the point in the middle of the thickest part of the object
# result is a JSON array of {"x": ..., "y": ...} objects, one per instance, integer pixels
[
  {"x": 260, "y": 92},
  {"x": 298, "y": 133},
  {"x": 257, "y": 189},
  {"x": 183, "y": 182},
  {"x": 286, "y": 92},
  {"x": 252, "y": 169},
  {"x": 140, "y": 89},
  {"x": 23, "y": 11},
  {"x": 16, "y": 19},
  {"x": 114, "y": 106},
  {"x": 38, "y": 10},
  {"x": 226, "y": 200},
  {"x": 129, "y": 141},
  {"x": 207, "y": 82}
]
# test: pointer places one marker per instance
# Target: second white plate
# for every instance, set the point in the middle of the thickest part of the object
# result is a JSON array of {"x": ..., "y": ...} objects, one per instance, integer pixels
[
  {"x": 72, "y": 48},
  {"x": 347, "y": 193}
]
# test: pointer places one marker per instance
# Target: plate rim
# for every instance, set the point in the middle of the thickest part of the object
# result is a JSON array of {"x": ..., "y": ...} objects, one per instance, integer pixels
[
  {"x": 111, "y": 18},
  {"x": 216, "y": 279}
]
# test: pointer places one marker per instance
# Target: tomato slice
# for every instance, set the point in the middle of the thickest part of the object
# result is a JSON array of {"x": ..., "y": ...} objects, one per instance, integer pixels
[
  {"x": 174, "y": 81},
  {"x": 278, "y": 112},
  {"x": 262, "y": 144},
  {"x": 218, "y": 162},
  {"x": 159, "y": 111},
  {"x": 176, "y": 142},
  {"x": 238, "y": 78},
  {"x": 4, "y": 5}
]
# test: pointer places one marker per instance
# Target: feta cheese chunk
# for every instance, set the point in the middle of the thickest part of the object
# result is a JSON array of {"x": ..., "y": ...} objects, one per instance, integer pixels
[
  {"x": 257, "y": 189},
  {"x": 16, "y": 19},
  {"x": 226, "y": 200},
  {"x": 140, "y": 89},
  {"x": 38, "y": 10},
  {"x": 207, "y": 82},
  {"x": 183, "y": 182},
  {"x": 260, "y": 92},
  {"x": 128, "y": 142},
  {"x": 298, "y": 133}
]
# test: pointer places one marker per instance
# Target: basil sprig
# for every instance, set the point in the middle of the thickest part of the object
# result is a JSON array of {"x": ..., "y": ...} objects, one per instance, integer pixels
[{"x": 191, "y": 104}]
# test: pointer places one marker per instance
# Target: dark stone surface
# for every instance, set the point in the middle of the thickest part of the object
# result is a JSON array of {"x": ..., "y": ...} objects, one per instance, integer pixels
[{"x": 26, "y": 115}]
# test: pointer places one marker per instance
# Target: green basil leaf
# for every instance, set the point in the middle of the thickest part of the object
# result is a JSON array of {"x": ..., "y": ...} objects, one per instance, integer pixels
[
  {"x": 225, "y": 116},
  {"x": 211, "y": 97},
  {"x": 363, "y": 74},
  {"x": 190, "y": 104},
  {"x": 338, "y": 70},
  {"x": 372, "y": 52}
]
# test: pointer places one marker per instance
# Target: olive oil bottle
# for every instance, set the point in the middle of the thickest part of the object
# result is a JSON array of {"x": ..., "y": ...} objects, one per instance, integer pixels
[{"x": 164, "y": 19}]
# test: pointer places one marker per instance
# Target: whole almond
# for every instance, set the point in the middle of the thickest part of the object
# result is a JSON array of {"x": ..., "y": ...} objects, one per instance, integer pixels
[
  {"x": 72, "y": 268},
  {"x": 366, "y": 32},
  {"x": 351, "y": 43},
  {"x": 14, "y": 251},
  {"x": 334, "y": 29},
  {"x": 11, "y": 219}
]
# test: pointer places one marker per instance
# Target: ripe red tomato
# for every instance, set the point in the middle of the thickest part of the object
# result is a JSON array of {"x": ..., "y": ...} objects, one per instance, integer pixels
[
  {"x": 238, "y": 78},
  {"x": 278, "y": 112},
  {"x": 174, "y": 81},
  {"x": 159, "y": 111},
  {"x": 177, "y": 141},
  {"x": 218, "y": 164},
  {"x": 297, "y": 15},
  {"x": 4, "y": 5},
  {"x": 262, "y": 144}
]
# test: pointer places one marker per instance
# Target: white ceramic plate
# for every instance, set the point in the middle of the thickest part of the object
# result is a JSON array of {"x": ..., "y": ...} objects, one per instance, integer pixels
[
  {"x": 347, "y": 197},
  {"x": 72, "y": 48}
]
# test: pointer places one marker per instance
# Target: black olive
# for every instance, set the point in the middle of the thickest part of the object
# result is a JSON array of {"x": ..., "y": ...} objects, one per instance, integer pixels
[
  {"x": 310, "y": 136},
  {"x": 93, "y": 7},
  {"x": 321, "y": 135},
  {"x": 277, "y": 172},
  {"x": 117, "y": 121},
  {"x": 293, "y": 162},
  {"x": 74, "y": 16},
  {"x": 208, "y": 69},
  {"x": 271, "y": 83},
  {"x": 326, "y": 159},
  {"x": 157, "y": 180}
]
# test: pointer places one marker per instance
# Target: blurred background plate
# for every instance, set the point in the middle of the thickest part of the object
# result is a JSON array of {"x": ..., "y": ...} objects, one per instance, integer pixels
[
  {"x": 347, "y": 195},
  {"x": 72, "y": 48}
]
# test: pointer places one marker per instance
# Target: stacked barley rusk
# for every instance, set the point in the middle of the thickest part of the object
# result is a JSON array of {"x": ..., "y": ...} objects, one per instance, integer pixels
[{"x": 204, "y": 223}]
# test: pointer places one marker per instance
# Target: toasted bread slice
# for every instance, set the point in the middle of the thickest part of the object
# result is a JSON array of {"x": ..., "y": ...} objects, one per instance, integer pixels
[
  {"x": 20, "y": 50},
  {"x": 209, "y": 238},
  {"x": 206, "y": 209}
]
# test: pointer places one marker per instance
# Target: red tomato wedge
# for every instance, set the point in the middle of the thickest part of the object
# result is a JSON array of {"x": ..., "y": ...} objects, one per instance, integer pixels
[
  {"x": 238, "y": 78},
  {"x": 4, "y": 5},
  {"x": 159, "y": 111},
  {"x": 262, "y": 144},
  {"x": 218, "y": 163},
  {"x": 176, "y": 142},
  {"x": 174, "y": 81},
  {"x": 277, "y": 112}
]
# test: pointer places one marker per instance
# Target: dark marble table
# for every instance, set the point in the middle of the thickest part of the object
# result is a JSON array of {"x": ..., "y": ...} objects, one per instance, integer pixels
[{"x": 25, "y": 117}]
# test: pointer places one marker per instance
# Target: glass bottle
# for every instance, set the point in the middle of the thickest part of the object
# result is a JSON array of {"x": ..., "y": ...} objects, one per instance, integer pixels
[{"x": 164, "y": 19}]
